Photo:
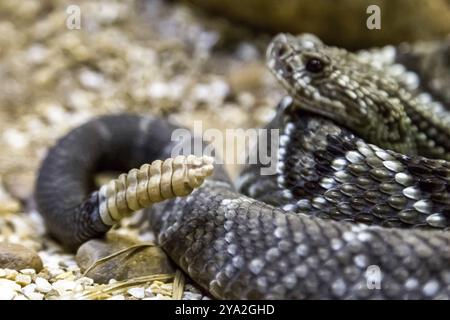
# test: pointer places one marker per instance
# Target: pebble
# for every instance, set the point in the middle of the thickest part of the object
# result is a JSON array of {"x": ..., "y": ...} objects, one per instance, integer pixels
[
  {"x": 7, "y": 294},
  {"x": 42, "y": 285},
  {"x": 11, "y": 274},
  {"x": 15, "y": 139},
  {"x": 17, "y": 257},
  {"x": 23, "y": 279},
  {"x": 29, "y": 290},
  {"x": 138, "y": 293},
  {"x": 85, "y": 281},
  {"x": 68, "y": 275},
  {"x": 30, "y": 272},
  {"x": 78, "y": 287},
  {"x": 146, "y": 261},
  {"x": 9, "y": 284},
  {"x": 167, "y": 286},
  {"x": 54, "y": 272},
  {"x": 35, "y": 296},
  {"x": 19, "y": 185},
  {"x": 149, "y": 292},
  {"x": 62, "y": 286},
  {"x": 91, "y": 79},
  {"x": 8, "y": 289}
]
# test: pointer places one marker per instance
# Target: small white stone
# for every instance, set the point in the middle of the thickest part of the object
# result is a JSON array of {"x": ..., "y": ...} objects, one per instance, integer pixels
[
  {"x": 30, "y": 272},
  {"x": 73, "y": 268},
  {"x": 138, "y": 293},
  {"x": 85, "y": 281},
  {"x": 15, "y": 138},
  {"x": 37, "y": 54},
  {"x": 167, "y": 286},
  {"x": 42, "y": 285},
  {"x": 20, "y": 297},
  {"x": 7, "y": 293},
  {"x": 54, "y": 272},
  {"x": 2, "y": 273},
  {"x": 62, "y": 286},
  {"x": 11, "y": 274},
  {"x": 78, "y": 287},
  {"x": 91, "y": 79},
  {"x": 23, "y": 279},
  {"x": 149, "y": 292},
  {"x": 29, "y": 290},
  {"x": 35, "y": 296},
  {"x": 9, "y": 284},
  {"x": 158, "y": 90}
]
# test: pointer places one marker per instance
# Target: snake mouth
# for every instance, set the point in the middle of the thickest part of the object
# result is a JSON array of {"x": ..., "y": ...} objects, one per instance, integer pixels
[{"x": 303, "y": 104}]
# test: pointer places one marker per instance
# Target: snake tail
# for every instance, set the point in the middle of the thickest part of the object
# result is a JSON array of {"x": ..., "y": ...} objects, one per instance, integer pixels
[
  {"x": 151, "y": 183},
  {"x": 76, "y": 211}
]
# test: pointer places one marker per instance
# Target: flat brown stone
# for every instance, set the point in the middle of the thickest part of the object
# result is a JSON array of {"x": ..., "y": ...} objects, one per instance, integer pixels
[
  {"x": 18, "y": 257},
  {"x": 142, "y": 261}
]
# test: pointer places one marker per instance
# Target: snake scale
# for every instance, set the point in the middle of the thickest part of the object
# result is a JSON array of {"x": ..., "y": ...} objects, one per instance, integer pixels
[{"x": 363, "y": 179}]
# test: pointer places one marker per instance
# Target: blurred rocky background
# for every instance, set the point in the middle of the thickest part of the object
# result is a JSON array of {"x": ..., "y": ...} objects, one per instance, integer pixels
[
  {"x": 187, "y": 60},
  {"x": 339, "y": 22}
]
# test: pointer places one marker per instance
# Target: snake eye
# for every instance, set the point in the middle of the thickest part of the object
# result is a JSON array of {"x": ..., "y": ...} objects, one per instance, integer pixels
[{"x": 314, "y": 65}]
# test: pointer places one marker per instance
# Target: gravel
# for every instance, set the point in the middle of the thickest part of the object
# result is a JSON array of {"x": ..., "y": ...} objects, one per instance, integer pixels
[
  {"x": 42, "y": 285},
  {"x": 138, "y": 293}
]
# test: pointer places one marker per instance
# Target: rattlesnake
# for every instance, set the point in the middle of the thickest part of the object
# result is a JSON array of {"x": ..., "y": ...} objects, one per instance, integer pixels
[{"x": 336, "y": 207}]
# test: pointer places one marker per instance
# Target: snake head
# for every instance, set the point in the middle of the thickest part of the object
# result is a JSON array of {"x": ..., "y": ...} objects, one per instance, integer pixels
[{"x": 340, "y": 85}]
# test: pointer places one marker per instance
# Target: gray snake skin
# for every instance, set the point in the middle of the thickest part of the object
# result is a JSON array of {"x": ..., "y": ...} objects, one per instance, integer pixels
[{"x": 337, "y": 205}]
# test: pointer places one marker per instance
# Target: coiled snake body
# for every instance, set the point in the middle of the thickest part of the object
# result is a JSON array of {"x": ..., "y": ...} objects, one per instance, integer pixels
[{"x": 337, "y": 206}]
